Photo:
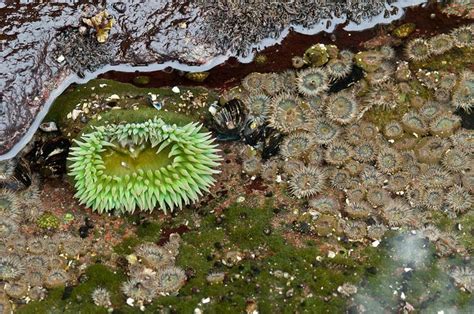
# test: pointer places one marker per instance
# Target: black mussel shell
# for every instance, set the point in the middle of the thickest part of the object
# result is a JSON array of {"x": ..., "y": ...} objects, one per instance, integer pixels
[
  {"x": 356, "y": 75},
  {"x": 20, "y": 178},
  {"x": 229, "y": 120},
  {"x": 252, "y": 132},
  {"x": 49, "y": 156},
  {"x": 271, "y": 142}
]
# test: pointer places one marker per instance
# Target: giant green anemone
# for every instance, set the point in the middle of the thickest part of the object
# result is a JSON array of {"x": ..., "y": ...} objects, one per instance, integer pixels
[{"x": 143, "y": 165}]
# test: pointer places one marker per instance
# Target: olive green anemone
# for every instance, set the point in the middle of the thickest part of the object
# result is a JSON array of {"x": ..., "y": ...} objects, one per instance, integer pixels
[{"x": 143, "y": 165}]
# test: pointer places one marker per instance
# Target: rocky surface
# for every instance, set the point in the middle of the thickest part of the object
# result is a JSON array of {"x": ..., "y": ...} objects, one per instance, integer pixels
[{"x": 43, "y": 44}]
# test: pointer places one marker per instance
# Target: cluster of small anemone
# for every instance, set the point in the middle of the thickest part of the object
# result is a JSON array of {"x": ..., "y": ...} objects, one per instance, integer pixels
[
  {"x": 154, "y": 272},
  {"x": 359, "y": 177}
]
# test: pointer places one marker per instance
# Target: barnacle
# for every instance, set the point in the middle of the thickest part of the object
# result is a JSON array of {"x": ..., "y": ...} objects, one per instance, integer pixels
[
  {"x": 36, "y": 245},
  {"x": 170, "y": 280},
  {"x": 464, "y": 278},
  {"x": 143, "y": 165},
  {"x": 376, "y": 231},
  {"x": 154, "y": 256},
  {"x": 338, "y": 153},
  {"x": 340, "y": 178},
  {"x": 346, "y": 55},
  {"x": 417, "y": 49},
  {"x": 436, "y": 177},
  {"x": 269, "y": 170},
  {"x": 252, "y": 165},
  {"x": 430, "y": 232},
  {"x": 445, "y": 125},
  {"x": 356, "y": 194},
  {"x": 324, "y": 131},
  {"x": 138, "y": 290},
  {"x": 382, "y": 75},
  {"x": 11, "y": 267},
  {"x": 16, "y": 289},
  {"x": 370, "y": 176},
  {"x": 56, "y": 277},
  {"x": 37, "y": 293},
  {"x": 377, "y": 196},
  {"x": 358, "y": 210},
  {"x": 291, "y": 166},
  {"x": 384, "y": 95},
  {"x": 393, "y": 130},
  {"x": 73, "y": 246},
  {"x": 307, "y": 181},
  {"x": 430, "y": 150},
  {"x": 101, "y": 297},
  {"x": 463, "y": 36},
  {"x": 326, "y": 224},
  {"x": 388, "y": 160},
  {"x": 439, "y": 44},
  {"x": 354, "y": 167},
  {"x": 316, "y": 105},
  {"x": 9, "y": 204},
  {"x": 315, "y": 155},
  {"x": 365, "y": 152},
  {"x": 273, "y": 83},
  {"x": 412, "y": 122},
  {"x": 397, "y": 213},
  {"x": 8, "y": 227},
  {"x": 456, "y": 160},
  {"x": 312, "y": 81},
  {"x": 254, "y": 82},
  {"x": 34, "y": 277},
  {"x": 355, "y": 230},
  {"x": 339, "y": 68},
  {"x": 297, "y": 62},
  {"x": 459, "y": 200},
  {"x": 258, "y": 106},
  {"x": 7, "y": 168},
  {"x": 387, "y": 52},
  {"x": 342, "y": 108},
  {"x": 430, "y": 110},
  {"x": 288, "y": 113},
  {"x": 368, "y": 129},
  {"x": 296, "y": 144},
  {"x": 353, "y": 134},
  {"x": 325, "y": 203},
  {"x": 463, "y": 95},
  {"x": 464, "y": 139},
  {"x": 442, "y": 95},
  {"x": 403, "y": 72},
  {"x": 433, "y": 198},
  {"x": 398, "y": 181},
  {"x": 447, "y": 80}
]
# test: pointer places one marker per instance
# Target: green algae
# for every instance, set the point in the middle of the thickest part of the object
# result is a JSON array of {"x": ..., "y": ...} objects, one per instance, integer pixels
[
  {"x": 48, "y": 221},
  {"x": 145, "y": 232},
  {"x": 132, "y": 105},
  {"x": 79, "y": 299}
]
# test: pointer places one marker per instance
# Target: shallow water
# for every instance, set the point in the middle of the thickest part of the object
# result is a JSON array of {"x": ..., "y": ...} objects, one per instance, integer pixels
[
  {"x": 318, "y": 189},
  {"x": 31, "y": 77}
]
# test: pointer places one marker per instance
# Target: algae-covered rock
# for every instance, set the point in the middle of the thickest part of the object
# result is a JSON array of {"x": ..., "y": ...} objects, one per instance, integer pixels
[
  {"x": 369, "y": 60},
  {"x": 197, "y": 76},
  {"x": 404, "y": 30},
  {"x": 316, "y": 55},
  {"x": 141, "y": 80}
]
